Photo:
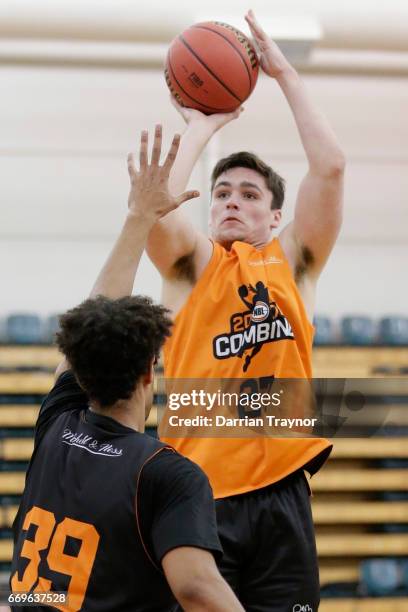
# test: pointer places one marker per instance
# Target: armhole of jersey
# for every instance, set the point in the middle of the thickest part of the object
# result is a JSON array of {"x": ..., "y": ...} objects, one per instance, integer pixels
[
  {"x": 139, "y": 530},
  {"x": 204, "y": 278},
  {"x": 290, "y": 272}
]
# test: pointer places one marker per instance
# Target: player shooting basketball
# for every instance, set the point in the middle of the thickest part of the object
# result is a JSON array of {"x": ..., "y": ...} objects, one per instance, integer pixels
[{"x": 263, "y": 509}]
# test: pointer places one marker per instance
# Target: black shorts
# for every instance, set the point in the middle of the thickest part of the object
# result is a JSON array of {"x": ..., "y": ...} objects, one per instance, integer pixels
[{"x": 268, "y": 538}]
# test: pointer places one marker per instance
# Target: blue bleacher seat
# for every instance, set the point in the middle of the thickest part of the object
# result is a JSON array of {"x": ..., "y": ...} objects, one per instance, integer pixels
[
  {"x": 51, "y": 326},
  {"x": 394, "y": 330},
  {"x": 358, "y": 330},
  {"x": 23, "y": 329},
  {"x": 384, "y": 577},
  {"x": 324, "y": 333},
  {"x": 339, "y": 590},
  {"x": 3, "y": 334}
]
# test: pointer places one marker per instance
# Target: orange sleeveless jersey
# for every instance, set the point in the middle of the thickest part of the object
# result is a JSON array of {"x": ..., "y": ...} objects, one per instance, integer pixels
[{"x": 236, "y": 288}]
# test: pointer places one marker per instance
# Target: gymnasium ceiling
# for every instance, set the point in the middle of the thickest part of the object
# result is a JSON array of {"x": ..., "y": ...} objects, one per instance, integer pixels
[{"x": 320, "y": 36}]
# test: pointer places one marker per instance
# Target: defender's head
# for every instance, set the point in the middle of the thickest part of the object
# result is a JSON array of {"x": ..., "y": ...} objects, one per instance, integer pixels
[
  {"x": 111, "y": 346},
  {"x": 246, "y": 200}
]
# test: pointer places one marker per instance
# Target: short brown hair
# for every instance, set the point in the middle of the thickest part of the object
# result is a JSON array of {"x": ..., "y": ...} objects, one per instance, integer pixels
[{"x": 244, "y": 159}]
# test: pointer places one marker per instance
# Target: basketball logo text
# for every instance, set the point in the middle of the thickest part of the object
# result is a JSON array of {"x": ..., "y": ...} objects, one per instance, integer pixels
[
  {"x": 195, "y": 80},
  {"x": 260, "y": 324}
]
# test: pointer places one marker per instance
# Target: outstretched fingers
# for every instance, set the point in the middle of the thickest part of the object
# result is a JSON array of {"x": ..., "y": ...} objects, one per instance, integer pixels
[
  {"x": 172, "y": 154},
  {"x": 144, "y": 141},
  {"x": 131, "y": 165},
  {"x": 155, "y": 170},
  {"x": 187, "y": 195},
  {"x": 157, "y": 144}
]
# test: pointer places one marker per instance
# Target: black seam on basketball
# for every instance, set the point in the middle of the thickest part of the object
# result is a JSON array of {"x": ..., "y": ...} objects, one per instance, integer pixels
[
  {"x": 185, "y": 43},
  {"x": 169, "y": 83},
  {"x": 210, "y": 108},
  {"x": 243, "y": 40},
  {"x": 198, "y": 27}
]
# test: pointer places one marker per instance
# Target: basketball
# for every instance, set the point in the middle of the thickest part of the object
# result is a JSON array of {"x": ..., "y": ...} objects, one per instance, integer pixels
[{"x": 212, "y": 67}]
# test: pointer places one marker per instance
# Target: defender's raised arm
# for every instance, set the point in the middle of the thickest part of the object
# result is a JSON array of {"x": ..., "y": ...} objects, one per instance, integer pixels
[{"x": 149, "y": 199}]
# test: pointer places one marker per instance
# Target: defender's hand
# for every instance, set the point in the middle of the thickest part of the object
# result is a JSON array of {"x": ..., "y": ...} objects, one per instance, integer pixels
[
  {"x": 149, "y": 195},
  {"x": 272, "y": 60},
  {"x": 214, "y": 122}
]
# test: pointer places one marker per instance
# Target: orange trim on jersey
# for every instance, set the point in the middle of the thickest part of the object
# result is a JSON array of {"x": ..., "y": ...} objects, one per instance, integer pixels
[{"x": 137, "y": 508}]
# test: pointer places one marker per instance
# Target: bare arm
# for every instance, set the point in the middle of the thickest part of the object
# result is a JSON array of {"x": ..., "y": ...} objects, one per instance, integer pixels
[
  {"x": 149, "y": 199},
  {"x": 174, "y": 236},
  {"x": 318, "y": 213},
  {"x": 196, "y": 582}
]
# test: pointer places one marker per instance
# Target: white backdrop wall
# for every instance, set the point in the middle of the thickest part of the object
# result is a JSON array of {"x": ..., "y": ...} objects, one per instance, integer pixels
[{"x": 64, "y": 136}]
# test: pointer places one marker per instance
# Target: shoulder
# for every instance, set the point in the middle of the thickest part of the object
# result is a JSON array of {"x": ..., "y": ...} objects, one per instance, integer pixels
[
  {"x": 169, "y": 466},
  {"x": 170, "y": 476},
  {"x": 66, "y": 395}
]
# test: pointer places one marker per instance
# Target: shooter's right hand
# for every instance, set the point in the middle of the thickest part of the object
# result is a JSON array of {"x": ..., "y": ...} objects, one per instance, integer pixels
[{"x": 214, "y": 122}]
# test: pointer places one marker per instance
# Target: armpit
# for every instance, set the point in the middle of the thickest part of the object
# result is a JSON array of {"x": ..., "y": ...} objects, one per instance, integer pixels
[
  {"x": 184, "y": 269},
  {"x": 305, "y": 261}
]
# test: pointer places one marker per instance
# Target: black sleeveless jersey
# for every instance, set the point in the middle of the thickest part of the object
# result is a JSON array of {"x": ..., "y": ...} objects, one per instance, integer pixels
[{"x": 101, "y": 507}]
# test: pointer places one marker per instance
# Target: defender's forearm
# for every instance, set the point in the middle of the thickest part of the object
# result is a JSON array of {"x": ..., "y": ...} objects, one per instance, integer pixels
[
  {"x": 117, "y": 276},
  {"x": 319, "y": 141}
]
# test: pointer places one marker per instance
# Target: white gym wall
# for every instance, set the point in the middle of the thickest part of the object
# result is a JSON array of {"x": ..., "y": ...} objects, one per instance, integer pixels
[{"x": 66, "y": 126}]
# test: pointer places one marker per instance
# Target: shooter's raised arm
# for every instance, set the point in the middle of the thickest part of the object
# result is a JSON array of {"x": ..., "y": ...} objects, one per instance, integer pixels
[
  {"x": 174, "y": 236},
  {"x": 318, "y": 211}
]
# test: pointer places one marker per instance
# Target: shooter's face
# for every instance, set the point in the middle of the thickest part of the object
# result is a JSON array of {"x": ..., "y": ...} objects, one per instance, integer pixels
[{"x": 241, "y": 208}]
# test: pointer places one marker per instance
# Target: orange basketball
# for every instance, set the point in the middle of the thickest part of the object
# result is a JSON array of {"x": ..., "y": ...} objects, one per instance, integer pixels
[{"x": 212, "y": 67}]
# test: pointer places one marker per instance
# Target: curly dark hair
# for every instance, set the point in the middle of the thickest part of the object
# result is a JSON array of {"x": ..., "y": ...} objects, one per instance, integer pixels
[
  {"x": 244, "y": 159},
  {"x": 110, "y": 344}
]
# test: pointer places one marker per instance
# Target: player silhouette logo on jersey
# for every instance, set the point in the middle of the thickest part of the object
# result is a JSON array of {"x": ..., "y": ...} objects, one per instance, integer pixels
[
  {"x": 261, "y": 323},
  {"x": 260, "y": 305}
]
